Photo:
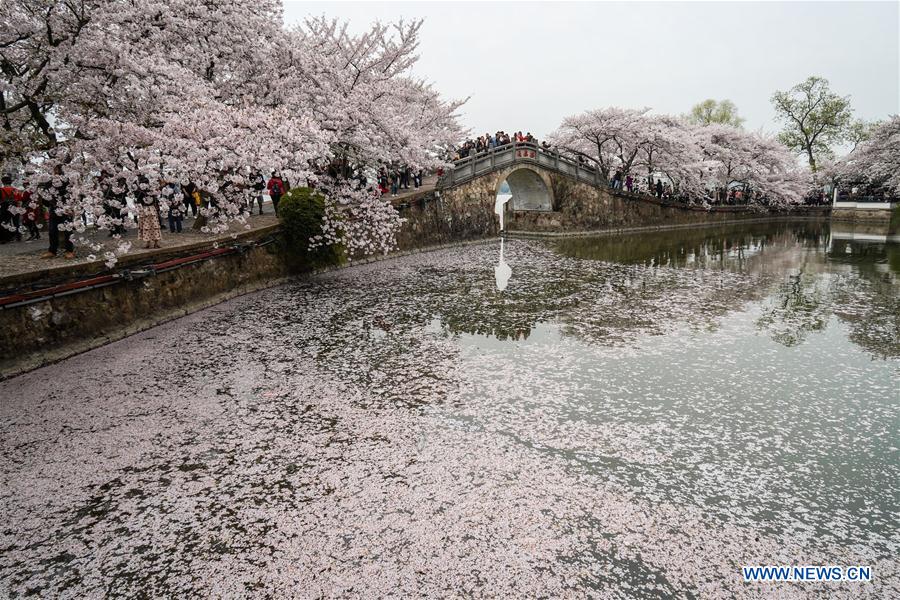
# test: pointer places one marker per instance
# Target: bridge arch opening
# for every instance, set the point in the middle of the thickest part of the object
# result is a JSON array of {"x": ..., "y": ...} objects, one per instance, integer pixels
[{"x": 528, "y": 190}]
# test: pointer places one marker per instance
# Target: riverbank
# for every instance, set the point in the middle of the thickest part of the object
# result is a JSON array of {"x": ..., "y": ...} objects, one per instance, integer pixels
[{"x": 21, "y": 264}]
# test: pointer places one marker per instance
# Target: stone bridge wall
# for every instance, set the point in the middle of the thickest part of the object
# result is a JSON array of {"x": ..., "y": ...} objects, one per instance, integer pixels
[
  {"x": 458, "y": 214},
  {"x": 582, "y": 207},
  {"x": 863, "y": 215},
  {"x": 576, "y": 207}
]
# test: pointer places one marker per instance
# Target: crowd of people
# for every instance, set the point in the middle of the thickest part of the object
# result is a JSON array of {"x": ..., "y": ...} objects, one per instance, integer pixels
[
  {"x": 658, "y": 188},
  {"x": 393, "y": 179},
  {"x": 149, "y": 207},
  {"x": 487, "y": 142},
  {"x": 663, "y": 191},
  {"x": 35, "y": 208},
  {"x": 862, "y": 192}
]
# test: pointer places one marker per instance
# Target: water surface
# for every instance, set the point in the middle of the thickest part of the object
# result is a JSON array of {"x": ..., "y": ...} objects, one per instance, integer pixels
[{"x": 630, "y": 416}]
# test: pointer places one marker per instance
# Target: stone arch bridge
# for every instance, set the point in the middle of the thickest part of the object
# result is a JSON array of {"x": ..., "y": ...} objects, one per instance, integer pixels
[
  {"x": 532, "y": 172},
  {"x": 550, "y": 194}
]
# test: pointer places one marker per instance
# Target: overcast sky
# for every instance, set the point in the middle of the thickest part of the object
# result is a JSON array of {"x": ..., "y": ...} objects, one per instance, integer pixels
[{"x": 527, "y": 65}]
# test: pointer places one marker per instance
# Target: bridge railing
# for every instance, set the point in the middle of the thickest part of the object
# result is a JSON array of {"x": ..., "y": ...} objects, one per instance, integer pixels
[{"x": 469, "y": 168}]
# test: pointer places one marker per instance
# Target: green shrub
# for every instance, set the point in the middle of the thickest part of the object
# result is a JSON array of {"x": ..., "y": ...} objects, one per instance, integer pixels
[{"x": 301, "y": 211}]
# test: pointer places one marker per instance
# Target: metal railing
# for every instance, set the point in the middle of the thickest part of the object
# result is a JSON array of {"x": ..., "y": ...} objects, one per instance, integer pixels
[
  {"x": 501, "y": 157},
  {"x": 843, "y": 196}
]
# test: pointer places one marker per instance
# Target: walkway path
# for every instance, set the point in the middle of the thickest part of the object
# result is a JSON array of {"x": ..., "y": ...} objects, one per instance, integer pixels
[
  {"x": 428, "y": 184},
  {"x": 17, "y": 258}
]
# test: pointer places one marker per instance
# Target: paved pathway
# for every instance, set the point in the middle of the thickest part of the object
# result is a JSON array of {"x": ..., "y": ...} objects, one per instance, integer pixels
[
  {"x": 428, "y": 184},
  {"x": 17, "y": 258}
]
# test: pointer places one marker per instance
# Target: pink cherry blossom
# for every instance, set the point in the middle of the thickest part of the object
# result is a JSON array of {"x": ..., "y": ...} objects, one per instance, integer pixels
[{"x": 210, "y": 93}]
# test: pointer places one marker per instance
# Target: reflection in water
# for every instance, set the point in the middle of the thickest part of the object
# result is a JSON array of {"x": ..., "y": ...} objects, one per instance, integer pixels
[
  {"x": 805, "y": 274},
  {"x": 648, "y": 284},
  {"x": 502, "y": 272},
  {"x": 866, "y": 247},
  {"x": 779, "y": 274},
  {"x": 799, "y": 306},
  {"x": 727, "y": 247}
]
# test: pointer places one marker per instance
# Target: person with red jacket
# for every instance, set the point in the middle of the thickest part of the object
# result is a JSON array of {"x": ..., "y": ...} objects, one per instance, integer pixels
[
  {"x": 10, "y": 220},
  {"x": 276, "y": 189}
]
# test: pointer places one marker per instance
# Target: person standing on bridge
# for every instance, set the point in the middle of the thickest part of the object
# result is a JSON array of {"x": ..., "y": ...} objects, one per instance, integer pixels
[
  {"x": 395, "y": 182},
  {"x": 190, "y": 198},
  {"x": 616, "y": 182},
  {"x": 629, "y": 183},
  {"x": 404, "y": 177},
  {"x": 171, "y": 192}
]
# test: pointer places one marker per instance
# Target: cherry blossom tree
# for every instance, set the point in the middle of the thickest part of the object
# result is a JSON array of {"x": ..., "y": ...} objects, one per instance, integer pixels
[
  {"x": 877, "y": 160},
  {"x": 372, "y": 114},
  {"x": 610, "y": 138},
  {"x": 697, "y": 160},
  {"x": 359, "y": 90},
  {"x": 630, "y": 140},
  {"x": 95, "y": 90},
  {"x": 143, "y": 90},
  {"x": 760, "y": 165},
  {"x": 669, "y": 147}
]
